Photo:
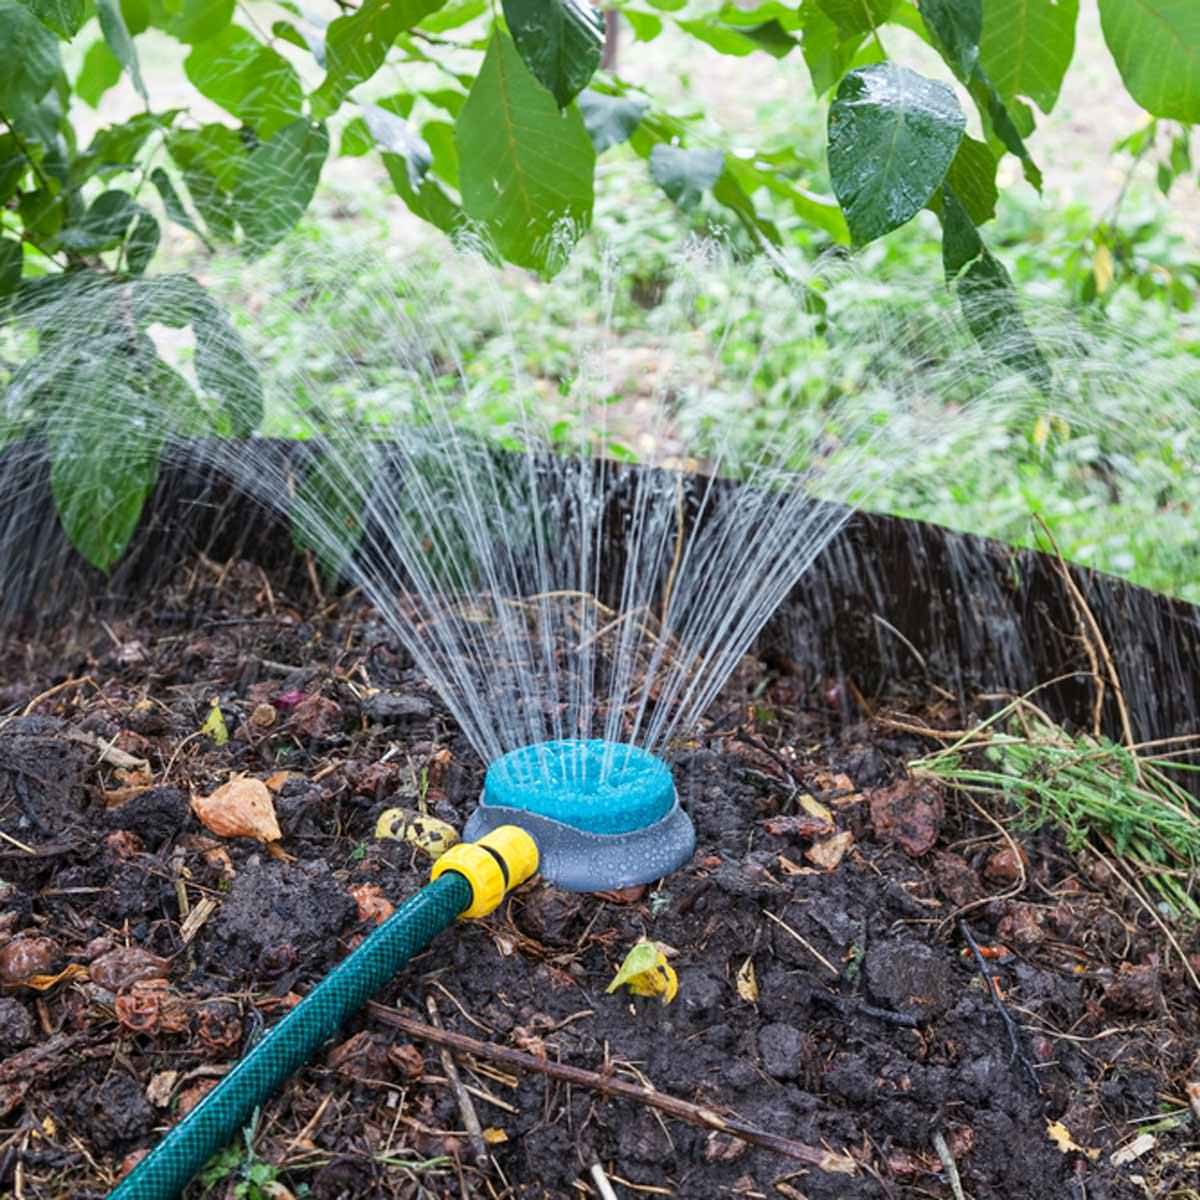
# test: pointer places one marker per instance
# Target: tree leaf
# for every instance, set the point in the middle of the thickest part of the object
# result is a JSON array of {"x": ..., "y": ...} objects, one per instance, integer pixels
[
  {"x": 827, "y": 52},
  {"x": 98, "y": 72},
  {"x": 610, "y": 120},
  {"x": 525, "y": 166},
  {"x": 142, "y": 243},
  {"x": 276, "y": 182},
  {"x": 199, "y": 20},
  {"x": 956, "y": 26},
  {"x": 211, "y": 158},
  {"x": 103, "y": 464},
  {"x": 253, "y": 82},
  {"x": 740, "y": 40},
  {"x": 63, "y": 16},
  {"x": 173, "y": 204},
  {"x": 104, "y": 224},
  {"x": 1027, "y": 46},
  {"x": 396, "y": 136},
  {"x": 11, "y": 259},
  {"x": 560, "y": 41},
  {"x": 892, "y": 137},
  {"x": 972, "y": 176},
  {"x": 225, "y": 368},
  {"x": 685, "y": 175},
  {"x": 428, "y": 201},
  {"x": 998, "y": 120},
  {"x": 357, "y": 44},
  {"x": 116, "y": 34},
  {"x": 31, "y": 62},
  {"x": 1157, "y": 50},
  {"x": 856, "y": 16}
]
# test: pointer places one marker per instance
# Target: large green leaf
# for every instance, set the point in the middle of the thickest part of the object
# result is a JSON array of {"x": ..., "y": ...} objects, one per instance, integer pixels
[
  {"x": 120, "y": 42},
  {"x": 610, "y": 120},
  {"x": 30, "y": 60},
  {"x": 685, "y": 175},
  {"x": 892, "y": 137},
  {"x": 957, "y": 26},
  {"x": 1027, "y": 46},
  {"x": 1156, "y": 44},
  {"x": 856, "y": 16},
  {"x": 104, "y": 462},
  {"x": 357, "y": 44},
  {"x": 525, "y": 167},
  {"x": 972, "y": 176},
  {"x": 225, "y": 369},
  {"x": 193, "y": 21},
  {"x": 276, "y": 182},
  {"x": 560, "y": 41},
  {"x": 63, "y": 16},
  {"x": 253, "y": 82},
  {"x": 99, "y": 71}
]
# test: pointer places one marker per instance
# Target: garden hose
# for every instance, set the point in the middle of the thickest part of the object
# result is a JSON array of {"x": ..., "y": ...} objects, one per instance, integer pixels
[{"x": 468, "y": 880}]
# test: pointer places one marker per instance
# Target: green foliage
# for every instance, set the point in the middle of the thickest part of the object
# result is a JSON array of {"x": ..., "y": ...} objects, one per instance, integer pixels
[
  {"x": 892, "y": 137},
  {"x": 507, "y": 112}
]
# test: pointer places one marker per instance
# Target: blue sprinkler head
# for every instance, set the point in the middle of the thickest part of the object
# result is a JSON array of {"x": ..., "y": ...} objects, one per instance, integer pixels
[{"x": 604, "y": 814}]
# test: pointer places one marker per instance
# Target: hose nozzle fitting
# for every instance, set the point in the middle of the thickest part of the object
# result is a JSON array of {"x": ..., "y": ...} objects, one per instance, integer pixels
[{"x": 494, "y": 865}]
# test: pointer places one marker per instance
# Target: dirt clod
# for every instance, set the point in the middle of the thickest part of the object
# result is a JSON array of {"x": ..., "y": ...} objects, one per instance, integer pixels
[
  {"x": 17, "y": 1028},
  {"x": 910, "y": 977}
]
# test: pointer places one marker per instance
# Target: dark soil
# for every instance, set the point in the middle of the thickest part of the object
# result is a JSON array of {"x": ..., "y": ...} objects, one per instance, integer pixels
[{"x": 853, "y": 1017}]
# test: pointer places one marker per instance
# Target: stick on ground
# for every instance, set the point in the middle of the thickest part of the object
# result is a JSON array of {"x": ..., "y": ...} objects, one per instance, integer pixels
[{"x": 683, "y": 1110}]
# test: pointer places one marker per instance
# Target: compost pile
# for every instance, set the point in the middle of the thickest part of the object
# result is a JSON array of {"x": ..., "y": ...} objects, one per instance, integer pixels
[{"x": 827, "y": 991}]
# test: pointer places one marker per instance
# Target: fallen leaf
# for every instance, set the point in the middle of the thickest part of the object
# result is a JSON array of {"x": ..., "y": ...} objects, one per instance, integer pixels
[
  {"x": 408, "y": 1061},
  {"x": 240, "y": 808},
  {"x": 793, "y": 868},
  {"x": 43, "y": 983},
  {"x": 316, "y": 717},
  {"x": 494, "y": 1136},
  {"x": 816, "y": 809},
  {"x": 125, "y": 966},
  {"x": 747, "y": 984},
  {"x": 646, "y": 972},
  {"x": 1142, "y": 1144},
  {"x": 214, "y": 725},
  {"x": 373, "y": 905},
  {"x": 277, "y": 779},
  {"x": 264, "y": 716},
  {"x": 150, "y": 1006},
  {"x": 829, "y": 853},
  {"x": 116, "y": 796},
  {"x": 1060, "y": 1135},
  {"x": 1193, "y": 1095},
  {"x": 191, "y": 1096},
  {"x": 908, "y": 813},
  {"x": 807, "y": 826},
  {"x": 158, "y": 1090}
]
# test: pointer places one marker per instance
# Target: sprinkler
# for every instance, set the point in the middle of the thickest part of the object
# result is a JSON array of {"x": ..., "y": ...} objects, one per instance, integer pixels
[
  {"x": 594, "y": 815},
  {"x": 604, "y": 814}
]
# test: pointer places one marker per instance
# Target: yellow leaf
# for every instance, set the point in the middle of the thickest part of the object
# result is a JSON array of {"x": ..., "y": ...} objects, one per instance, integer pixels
[
  {"x": 646, "y": 972},
  {"x": 1060, "y": 1135},
  {"x": 1102, "y": 269},
  {"x": 815, "y": 808},
  {"x": 214, "y": 725},
  {"x": 747, "y": 984},
  {"x": 1041, "y": 430},
  {"x": 240, "y": 808},
  {"x": 43, "y": 983},
  {"x": 48, "y": 1127},
  {"x": 494, "y": 1136}
]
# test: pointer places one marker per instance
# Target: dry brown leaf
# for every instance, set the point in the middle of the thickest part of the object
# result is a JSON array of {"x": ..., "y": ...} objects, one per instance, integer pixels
[
  {"x": 240, "y": 808},
  {"x": 125, "y": 966},
  {"x": 158, "y": 1090},
  {"x": 373, "y": 905},
  {"x": 1142, "y": 1144},
  {"x": 829, "y": 853},
  {"x": 1193, "y": 1095},
  {"x": 277, "y": 779},
  {"x": 793, "y": 868},
  {"x": 116, "y": 796},
  {"x": 747, "y": 983}
]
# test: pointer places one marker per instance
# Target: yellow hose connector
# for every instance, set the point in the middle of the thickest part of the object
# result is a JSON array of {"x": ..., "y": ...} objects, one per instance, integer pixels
[{"x": 493, "y": 866}]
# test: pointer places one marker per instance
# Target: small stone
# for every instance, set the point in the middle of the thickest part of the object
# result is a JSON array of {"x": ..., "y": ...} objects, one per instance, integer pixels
[
  {"x": 781, "y": 1047},
  {"x": 16, "y": 1024}
]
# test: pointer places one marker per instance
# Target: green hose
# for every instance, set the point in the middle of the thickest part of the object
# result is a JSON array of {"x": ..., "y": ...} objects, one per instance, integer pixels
[{"x": 165, "y": 1172}]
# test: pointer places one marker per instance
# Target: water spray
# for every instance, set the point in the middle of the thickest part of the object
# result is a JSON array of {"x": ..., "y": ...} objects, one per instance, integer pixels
[{"x": 592, "y": 815}]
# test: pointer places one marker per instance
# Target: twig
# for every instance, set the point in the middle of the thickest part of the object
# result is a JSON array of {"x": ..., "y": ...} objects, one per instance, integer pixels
[
  {"x": 683, "y": 1110},
  {"x": 470, "y": 1117},
  {"x": 601, "y": 1181},
  {"x": 943, "y": 1152},
  {"x": 1014, "y": 1036},
  {"x": 808, "y": 946}
]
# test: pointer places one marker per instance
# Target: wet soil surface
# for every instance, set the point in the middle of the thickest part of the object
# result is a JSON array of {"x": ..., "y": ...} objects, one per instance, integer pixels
[{"x": 828, "y": 993}]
